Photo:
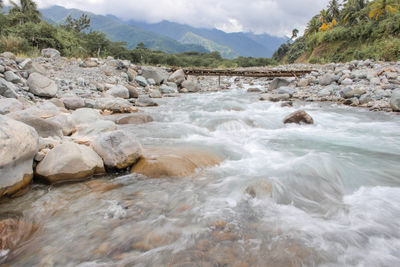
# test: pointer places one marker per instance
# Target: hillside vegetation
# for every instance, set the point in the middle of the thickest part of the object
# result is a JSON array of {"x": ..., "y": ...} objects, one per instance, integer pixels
[
  {"x": 24, "y": 32},
  {"x": 348, "y": 30}
]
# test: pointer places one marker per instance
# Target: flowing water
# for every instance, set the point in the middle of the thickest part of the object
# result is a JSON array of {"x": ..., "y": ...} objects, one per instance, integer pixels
[{"x": 285, "y": 195}]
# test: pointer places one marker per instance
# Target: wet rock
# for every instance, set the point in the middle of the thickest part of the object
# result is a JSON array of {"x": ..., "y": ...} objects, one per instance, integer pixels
[
  {"x": 119, "y": 91},
  {"x": 278, "y": 82},
  {"x": 44, "y": 128},
  {"x": 260, "y": 189},
  {"x": 68, "y": 162},
  {"x": 118, "y": 149},
  {"x": 177, "y": 77},
  {"x": 141, "y": 81},
  {"x": 299, "y": 117},
  {"x": 395, "y": 100},
  {"x": 8, "y": 89},
  {"x": 41, "y": 86},
  {"x": 134, "y": 118},
  {"x": 73, "y": 102},
  {"x": 174, "y": 162},
  {"x": 50, "y": 53},
  {"x": 12, "y": 77},
  {"x": 8, "y": 105},
  {"x": 18, "y": 147}
]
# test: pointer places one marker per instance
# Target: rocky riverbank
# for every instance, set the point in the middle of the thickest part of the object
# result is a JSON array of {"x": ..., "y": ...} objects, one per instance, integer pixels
[{"x": 60, "y": 119}]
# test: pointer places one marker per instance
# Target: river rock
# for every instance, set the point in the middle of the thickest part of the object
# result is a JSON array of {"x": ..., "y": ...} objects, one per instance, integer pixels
[
  {"x": 43, "y": 127},
  {"x": 191, "y": 85},
  {"x": 18, "y": 147},
  {"x": 395, "y": 100},
  {"x": 8, "y": 89},
  {"x": 141, "y": 81},
  {"x": 174, "y": 162},
  {"x": 119, "y": 91},
  {"x": 165, "y": 89},
  {"x": 50, "y": 53},
  {"x": 299, "y": 117},
  {"x": 73, "y": 102},
  {"x": 85, "y": 115},
  {"x": 153, "y": 73},
  {"x": 42, "y": 86},
  {"x": 12, "y": 77},
  {"x": 68, "y": 162},
  {"x": 118, "y": 149},
  {"x": 8, "y": 105},
  {"x": 177, "y": 77},
  {"x": 278, "y": 82}
]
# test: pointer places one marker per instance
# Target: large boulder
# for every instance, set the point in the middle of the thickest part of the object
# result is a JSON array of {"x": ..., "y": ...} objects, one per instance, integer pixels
[
  {"x": 68, "y": 162},
  {"x": 278, "y": 82},
  {"x": 42, "y": 86},
  {"x": 174, "y": 162},
  {"x": 156, "y": 74},
  {"x": 18, "y": 147},
  {"x": 8, "y": 105},
  {"x": 8, "y": 89},
  {"x": 50, "y": 53},
  {"x": 177, "y": 77},
  {"x": 119, "y": 91},
  {"x": 118, "y": 149},
  {"x": 299, "y": 117},
  {"x": 395, "y": 100},
  {"x": 44, "y": 128}
]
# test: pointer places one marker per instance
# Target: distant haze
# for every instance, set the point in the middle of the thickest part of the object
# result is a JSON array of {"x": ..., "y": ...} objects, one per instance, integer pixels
[{"x": 276, "y": 17}]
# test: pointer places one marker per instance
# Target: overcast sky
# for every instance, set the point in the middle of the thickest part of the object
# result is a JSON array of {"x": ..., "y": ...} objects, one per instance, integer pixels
[{"x": 276, "y": 17}]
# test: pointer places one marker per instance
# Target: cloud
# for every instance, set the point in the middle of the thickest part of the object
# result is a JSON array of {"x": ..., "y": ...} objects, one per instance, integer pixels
[{"x": 277, "y": 17}]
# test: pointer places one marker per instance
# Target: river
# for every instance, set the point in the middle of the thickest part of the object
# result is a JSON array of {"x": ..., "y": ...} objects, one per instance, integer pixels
[{"x": 285, "y": 195}]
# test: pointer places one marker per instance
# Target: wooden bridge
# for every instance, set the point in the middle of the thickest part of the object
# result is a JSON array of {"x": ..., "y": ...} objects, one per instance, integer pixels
[{"x": 245, "y": 73}]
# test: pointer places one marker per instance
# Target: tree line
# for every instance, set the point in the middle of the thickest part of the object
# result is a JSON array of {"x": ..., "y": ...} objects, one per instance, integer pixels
[
  {"x": 24, "y": 32},
  {"x": 346, "y": 30}
]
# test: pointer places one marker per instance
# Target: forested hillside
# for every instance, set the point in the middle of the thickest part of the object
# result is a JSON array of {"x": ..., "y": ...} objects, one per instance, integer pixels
[{"x": 348, "y": 30}]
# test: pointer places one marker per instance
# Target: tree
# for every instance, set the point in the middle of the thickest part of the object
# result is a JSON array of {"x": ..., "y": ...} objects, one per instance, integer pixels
[
  {"x": 26, "y": 11},
  {"x": 383, "y": 7},
  {"x": 295, "y": 32},
  {"x": 77, "y": 25}
]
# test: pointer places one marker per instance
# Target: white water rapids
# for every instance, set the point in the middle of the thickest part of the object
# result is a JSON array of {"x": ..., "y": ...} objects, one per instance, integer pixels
[{"x": 334, "y": 198}]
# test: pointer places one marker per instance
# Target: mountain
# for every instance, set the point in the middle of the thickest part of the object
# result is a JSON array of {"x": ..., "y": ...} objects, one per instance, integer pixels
[
  {"x": 117, "y": 31},
  {"x": 244, "y": 44}
]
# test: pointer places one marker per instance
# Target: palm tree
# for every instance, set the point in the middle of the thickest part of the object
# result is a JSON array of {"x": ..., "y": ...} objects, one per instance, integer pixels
[
  {"x": 383, "y": 7},
  {"x": 27, "y": 11}
]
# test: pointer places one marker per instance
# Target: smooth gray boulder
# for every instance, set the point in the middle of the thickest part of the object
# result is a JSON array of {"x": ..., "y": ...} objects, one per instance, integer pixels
[
  {"x": 69, "y": 162},
  {"x": 44, "y": 128},
  {"x": 8, "y": 105},
  {"x": 278, "y": 82},
  {"x": 18, "y": 147},
  {"x": 156, "y": 74},
  {"x": 395, "y": 100},
  {"x": 12, "y": 77},
  {"x": 118, "y": 149},
  {"x": 119, "y": 91},
  {"x": 177, "y": 77},
  {"x": 41, "y": 86},
  {"x": 50, "y": 53},
  {"x": 141, "y": 81},
  {"x": 8, "y": 89}
]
